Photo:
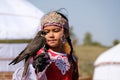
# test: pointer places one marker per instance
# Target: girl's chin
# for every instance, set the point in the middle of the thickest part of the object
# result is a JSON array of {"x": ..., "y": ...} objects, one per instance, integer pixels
[{"x": 53, "y": 45}]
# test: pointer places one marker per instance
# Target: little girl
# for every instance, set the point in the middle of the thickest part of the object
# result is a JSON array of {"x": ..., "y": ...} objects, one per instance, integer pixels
[{"x": 57, "y": 63}]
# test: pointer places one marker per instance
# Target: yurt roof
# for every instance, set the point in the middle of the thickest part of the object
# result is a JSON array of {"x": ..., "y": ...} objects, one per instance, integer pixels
[
  {"x": 19, "y": 19},
  {"x": 111, "y": 56}
]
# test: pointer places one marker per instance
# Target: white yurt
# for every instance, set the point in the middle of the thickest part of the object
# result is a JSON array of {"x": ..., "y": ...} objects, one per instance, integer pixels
[
  {"x": 107, "y": 65},
  {"x": 19, "y": 19}
]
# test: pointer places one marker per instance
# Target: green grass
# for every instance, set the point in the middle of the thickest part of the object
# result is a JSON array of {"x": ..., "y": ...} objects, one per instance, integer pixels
[{"x": 86, "y": 57}]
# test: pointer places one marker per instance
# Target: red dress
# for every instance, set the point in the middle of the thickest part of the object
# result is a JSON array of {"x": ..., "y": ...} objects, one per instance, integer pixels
[{"x": 59, "y": 69}]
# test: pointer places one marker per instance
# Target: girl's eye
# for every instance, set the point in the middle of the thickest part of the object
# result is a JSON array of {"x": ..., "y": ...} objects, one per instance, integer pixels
[{"x": 56, "y": 30}]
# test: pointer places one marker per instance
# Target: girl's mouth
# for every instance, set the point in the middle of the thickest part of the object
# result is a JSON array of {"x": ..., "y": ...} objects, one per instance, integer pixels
[{"x": 51, "y": 41}]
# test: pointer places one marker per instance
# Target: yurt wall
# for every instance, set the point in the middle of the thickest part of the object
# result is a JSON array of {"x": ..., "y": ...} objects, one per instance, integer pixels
[
  {"x": 19, "y": 20},
  {"x": 107, "y": 65}
]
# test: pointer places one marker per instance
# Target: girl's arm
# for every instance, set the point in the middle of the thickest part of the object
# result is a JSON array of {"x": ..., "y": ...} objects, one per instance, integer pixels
[
  {"x": 31, "y": 75},
  {"x": 17, "y": 75}
]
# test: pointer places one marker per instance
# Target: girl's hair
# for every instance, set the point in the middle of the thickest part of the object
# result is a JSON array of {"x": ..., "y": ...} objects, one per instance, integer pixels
[{"x": 70, "y": 58}]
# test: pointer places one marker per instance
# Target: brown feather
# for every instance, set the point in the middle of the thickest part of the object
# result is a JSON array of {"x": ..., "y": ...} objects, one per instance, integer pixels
[{"x": 67, "y": 48}]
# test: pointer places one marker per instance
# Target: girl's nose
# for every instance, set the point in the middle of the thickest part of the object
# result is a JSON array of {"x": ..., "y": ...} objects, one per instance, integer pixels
[{"x": 51, "y": 34}]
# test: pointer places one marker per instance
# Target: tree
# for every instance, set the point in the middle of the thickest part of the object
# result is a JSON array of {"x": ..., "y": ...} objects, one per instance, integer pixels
[
  {"x": 87, "y": 39},
  {"x": 115, "y": 42},
  {"x": 95, "y": 43}
]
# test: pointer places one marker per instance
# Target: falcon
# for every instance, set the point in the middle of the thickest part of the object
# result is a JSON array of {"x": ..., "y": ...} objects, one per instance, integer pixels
[{"x": 38, "y": 42}]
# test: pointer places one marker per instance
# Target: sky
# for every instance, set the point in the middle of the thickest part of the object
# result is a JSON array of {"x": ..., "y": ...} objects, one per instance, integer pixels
[{"x": 99, "y": 17}]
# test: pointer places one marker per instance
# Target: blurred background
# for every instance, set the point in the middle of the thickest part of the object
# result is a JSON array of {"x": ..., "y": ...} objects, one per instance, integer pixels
[{"x": 95, "y": 28}]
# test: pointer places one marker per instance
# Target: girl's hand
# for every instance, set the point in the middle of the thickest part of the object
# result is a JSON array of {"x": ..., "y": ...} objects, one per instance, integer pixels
[{"x": 41, "y": 61}]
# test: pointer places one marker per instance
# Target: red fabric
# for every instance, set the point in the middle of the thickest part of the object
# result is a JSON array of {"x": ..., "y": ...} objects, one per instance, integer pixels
[
  {"x": 54, "y": 71},
  {"x": 54, "y": 74}
]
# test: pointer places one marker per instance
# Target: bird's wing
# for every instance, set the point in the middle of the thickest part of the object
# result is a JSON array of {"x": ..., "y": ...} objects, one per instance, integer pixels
[
  {"x": 31, "y": 48},
  {"x": 18, "y": 58},
  {"x": 26, "y": 64}
]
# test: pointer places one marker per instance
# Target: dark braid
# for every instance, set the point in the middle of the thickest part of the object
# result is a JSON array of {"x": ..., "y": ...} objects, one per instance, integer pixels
[
  {"x": 69, "y": 41},
  {"x": 70, "y": 58}
]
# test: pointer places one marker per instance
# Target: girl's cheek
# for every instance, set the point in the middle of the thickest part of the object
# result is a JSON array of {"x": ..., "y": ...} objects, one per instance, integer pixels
[
  {"x": 60, "y": 35},
  {"x": 46, "y": 37}
]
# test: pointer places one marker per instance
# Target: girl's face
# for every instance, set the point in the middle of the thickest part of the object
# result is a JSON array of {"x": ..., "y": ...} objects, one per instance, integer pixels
[{"x": 54, "y": 35}]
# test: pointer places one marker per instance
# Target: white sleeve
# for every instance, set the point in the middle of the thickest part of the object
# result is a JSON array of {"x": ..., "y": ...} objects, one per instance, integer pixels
[
  {"x": 31, "y": 75},
  {"x": 17, "y": 75}
]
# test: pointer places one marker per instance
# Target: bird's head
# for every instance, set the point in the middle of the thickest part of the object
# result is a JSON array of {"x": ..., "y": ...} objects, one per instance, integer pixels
[{"x": 42, "y": 33}]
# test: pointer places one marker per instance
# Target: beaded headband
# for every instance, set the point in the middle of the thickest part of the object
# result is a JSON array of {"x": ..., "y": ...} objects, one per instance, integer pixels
[{"x": 54, "y": 18}]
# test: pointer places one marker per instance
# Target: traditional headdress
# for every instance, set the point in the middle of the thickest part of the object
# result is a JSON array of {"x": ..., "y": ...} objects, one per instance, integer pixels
[{"x": 54, "y": 18}]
